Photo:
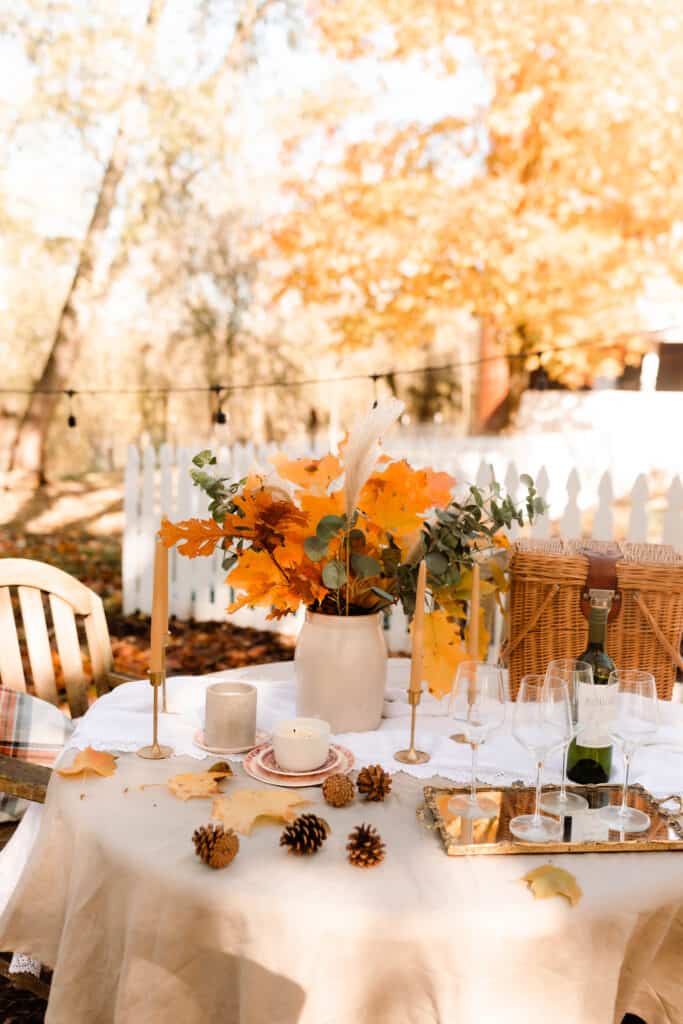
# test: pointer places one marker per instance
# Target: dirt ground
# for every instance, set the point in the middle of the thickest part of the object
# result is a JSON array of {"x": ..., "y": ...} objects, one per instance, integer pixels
[{"x": 77, "y": 525}]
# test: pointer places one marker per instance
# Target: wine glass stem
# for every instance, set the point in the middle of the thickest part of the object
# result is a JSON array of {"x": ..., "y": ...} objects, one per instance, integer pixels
[
  {"x": 473, "y": 783},
  {"x": 539, "y": 778},
  {"x": 624, "y": 791},
  {"x": 563, "y": 785}
]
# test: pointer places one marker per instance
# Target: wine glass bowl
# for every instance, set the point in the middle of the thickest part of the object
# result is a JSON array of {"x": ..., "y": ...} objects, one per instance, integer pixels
[
  {"x": 572, "y": 672},
  {"x": 476, "y": 707},
  {"x": 633, "y": 722},
  {"x": 541, "y": 722}
]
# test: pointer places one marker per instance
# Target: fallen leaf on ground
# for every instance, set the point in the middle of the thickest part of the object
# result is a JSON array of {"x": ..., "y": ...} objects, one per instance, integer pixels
[
  {"x": 241, "y": 810},
  {"x": 549, "y": 880},
  {"x": 197, "y": 784},
  {"x": 99, "y": 762}
]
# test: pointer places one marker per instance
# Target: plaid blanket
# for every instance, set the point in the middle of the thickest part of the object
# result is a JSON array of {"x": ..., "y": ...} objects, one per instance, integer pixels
[{"x": 30, "y": 730}]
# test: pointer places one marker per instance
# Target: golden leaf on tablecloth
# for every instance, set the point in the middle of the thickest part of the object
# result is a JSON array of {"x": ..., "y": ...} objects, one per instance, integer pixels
[
  {"x": 188, "y": 785},
  {"x": 98, "y": 762},
  {"x": 240, "y": 811},
  {"x": 549, "y": 880}
]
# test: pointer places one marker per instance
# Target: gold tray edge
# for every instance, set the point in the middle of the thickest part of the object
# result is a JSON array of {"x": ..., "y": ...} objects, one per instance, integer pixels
[{"x": 507, "y": 847}]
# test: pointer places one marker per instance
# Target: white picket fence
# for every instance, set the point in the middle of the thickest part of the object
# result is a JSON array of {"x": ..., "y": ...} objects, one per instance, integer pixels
[{"x": 159, "y": 483}]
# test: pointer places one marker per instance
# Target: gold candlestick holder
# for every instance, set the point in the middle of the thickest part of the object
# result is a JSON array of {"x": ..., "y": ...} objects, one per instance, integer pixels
[
  {"x": 155, "y": 751},
  {"x": 411, "y": 755}
]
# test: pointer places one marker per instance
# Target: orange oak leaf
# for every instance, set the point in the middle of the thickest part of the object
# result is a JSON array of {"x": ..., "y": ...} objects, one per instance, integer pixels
[
  {"x": 96, "y": 762},
  {"x": 241, "y": 810},
  {"x": 443, "y": 652},
  {"x": 194, "y": 537},
  {"x": 397, "y": 498},
  {"x": 311, "y": 475}
]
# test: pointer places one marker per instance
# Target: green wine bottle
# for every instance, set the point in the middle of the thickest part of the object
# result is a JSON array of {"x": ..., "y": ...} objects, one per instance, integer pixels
[{"x": 590, "y": 761}]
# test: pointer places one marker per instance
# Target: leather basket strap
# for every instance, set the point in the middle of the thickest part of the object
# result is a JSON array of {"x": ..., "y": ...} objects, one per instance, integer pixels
[{"x": 602, "y": 575}]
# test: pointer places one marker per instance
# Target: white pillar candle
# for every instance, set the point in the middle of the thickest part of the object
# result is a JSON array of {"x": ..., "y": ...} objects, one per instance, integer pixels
[{"x": 301, "y": 744}]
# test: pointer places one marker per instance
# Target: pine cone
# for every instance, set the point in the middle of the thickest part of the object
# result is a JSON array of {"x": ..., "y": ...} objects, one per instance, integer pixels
[
  {"x": 365, "y": 847},
  {"x": 374, "y": 782},
  {"x": 215, "y": 846},
  {"x": 338, "y": 790},
  {"x": 305, "y": 835}
]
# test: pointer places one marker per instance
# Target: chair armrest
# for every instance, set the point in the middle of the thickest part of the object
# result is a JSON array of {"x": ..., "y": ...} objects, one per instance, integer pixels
[{"x": 19, "y": 778}]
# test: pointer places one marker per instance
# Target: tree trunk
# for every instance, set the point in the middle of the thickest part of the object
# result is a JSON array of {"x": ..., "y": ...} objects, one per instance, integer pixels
[
  {"x": 28, "y": 451},
  {"x": 29, "y": 448},
  {"x": 491, "y": 407}
]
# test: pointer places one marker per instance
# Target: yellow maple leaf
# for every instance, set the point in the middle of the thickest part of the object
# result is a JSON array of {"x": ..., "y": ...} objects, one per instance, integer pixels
[
  {"x": 549, "y": 880},
  {"x": 188, "y": 785},
  {"x": 443, "y": 652},
  {"x": 241, "y": 810},
  {"x": 97, "y": 762}
]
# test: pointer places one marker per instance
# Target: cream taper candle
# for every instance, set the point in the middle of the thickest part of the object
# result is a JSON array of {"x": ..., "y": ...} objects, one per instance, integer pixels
[
  {"x": 417, "y": 655},
  {"x": 159, "y": 608},
  {"x": 475, "y": 602}
]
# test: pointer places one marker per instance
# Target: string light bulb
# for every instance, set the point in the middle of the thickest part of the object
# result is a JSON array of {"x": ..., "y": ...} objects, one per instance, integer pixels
[
  {"x": 219, "y": 416},
  {"x": 71, "y": 418}
]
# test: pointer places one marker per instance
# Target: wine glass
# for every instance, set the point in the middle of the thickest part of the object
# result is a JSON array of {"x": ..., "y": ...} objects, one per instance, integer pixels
[
  {"x": 477, "y": 707},
  {"x": 572, "y": 672},
  {"x": 541, "y": 722},
  {"x": 633, "y": 721}
]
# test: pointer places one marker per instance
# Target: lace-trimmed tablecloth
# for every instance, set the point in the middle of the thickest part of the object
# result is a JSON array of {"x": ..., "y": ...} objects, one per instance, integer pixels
[
  {"x": 121, "y": 721},
  {"x": 137, "y": 929}
]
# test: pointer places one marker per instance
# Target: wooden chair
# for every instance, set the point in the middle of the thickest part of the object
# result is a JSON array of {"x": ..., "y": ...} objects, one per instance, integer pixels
[{"x": 69, "y": 601}]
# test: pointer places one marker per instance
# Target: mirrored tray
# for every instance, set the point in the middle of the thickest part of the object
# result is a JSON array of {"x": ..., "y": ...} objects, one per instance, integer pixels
[{"x": 583, "y": 833}]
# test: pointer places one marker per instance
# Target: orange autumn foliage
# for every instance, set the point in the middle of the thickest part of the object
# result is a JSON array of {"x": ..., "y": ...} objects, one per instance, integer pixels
[
  {"x": 567, "y": 197},
  {"x": 290, "y": 539}
]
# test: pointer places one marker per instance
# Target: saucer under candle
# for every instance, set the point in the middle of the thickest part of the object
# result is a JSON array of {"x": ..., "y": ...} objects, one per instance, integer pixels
[{"x": 301, "y": 744}]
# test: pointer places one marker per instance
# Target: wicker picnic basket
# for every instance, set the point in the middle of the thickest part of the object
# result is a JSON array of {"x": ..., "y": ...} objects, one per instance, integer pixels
[{"x": 549, "y": 583}]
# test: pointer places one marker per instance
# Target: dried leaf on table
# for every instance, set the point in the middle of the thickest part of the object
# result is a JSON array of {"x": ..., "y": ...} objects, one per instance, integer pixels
[
  {"x": 188, "y": 785},
  {"x": 549, "y": 880},
  {"x": 241, "y": 810},
  {"x": 98, "y": 762}
]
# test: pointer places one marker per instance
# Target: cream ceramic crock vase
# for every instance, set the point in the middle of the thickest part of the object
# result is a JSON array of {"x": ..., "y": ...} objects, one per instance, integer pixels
[{"x": 341, "y": 670}]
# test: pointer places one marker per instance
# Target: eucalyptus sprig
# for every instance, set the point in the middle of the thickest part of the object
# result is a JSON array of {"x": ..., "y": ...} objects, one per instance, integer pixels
[
  {"x": 219, "y": 488},
  {"x": 460, "y": 534}
]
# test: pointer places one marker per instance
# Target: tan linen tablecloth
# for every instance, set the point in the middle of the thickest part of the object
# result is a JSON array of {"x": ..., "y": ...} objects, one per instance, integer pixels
[{"x": 137, "y": 929}]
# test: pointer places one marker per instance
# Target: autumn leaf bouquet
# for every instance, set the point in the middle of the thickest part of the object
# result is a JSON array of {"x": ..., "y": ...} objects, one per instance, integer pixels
[{"x": 344, "y": 535}]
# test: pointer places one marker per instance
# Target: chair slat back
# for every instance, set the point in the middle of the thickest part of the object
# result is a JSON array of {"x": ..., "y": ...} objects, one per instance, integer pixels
[
  {"x": 38, "y": 643},
  {"x": 69, "y": 649},
  {"x": 68, "y": 598},
  {"x": 11, "y": 668}
]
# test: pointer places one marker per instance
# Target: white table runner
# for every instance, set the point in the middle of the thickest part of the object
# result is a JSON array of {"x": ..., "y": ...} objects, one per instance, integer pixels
[{"x": 122, "y": 721}]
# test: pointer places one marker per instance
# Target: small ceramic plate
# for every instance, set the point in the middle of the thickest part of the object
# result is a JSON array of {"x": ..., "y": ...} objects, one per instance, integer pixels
[
  {"x": 261, "y": 738},
  {"x": 253, "y": 768},
  {"x": 266, "y": 759}
]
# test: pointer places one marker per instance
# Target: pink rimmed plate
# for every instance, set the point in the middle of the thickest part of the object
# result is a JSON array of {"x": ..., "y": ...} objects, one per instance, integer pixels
[{"x": 252, "y": 767}]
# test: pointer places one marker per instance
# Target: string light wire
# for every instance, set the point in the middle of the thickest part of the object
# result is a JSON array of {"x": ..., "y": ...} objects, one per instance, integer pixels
[{"x": 227, "y": 389}]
